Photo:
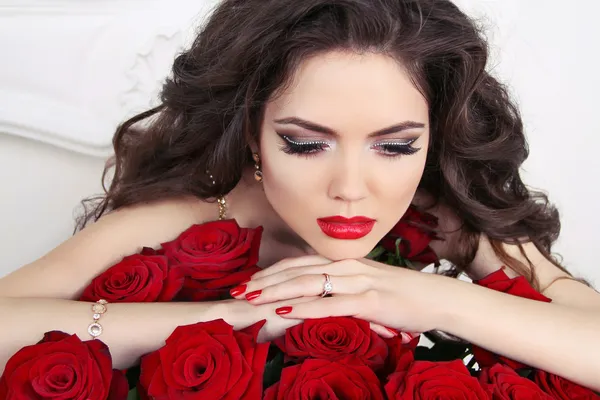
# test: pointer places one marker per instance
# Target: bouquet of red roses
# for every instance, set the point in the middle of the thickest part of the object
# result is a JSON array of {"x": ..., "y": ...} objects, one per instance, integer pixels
[{"x": 328, "y": 358}]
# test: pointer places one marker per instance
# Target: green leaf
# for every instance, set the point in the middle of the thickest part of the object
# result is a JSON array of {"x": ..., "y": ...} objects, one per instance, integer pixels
[
  {"x": 376, "y": 252},
  {"x": 133, "y": 395},
  {"x": 397, "y": 246},
  {"x": 391, "y": 260},
  {"x": 273, "y": 369},
  {"x": 402, "y": 262},
  {"x": 525, "y": 372},
  {"x": 133, "y": 376}
]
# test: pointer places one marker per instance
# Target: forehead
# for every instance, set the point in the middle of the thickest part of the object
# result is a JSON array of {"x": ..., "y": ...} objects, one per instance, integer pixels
[{"x": 342, "y": 88}]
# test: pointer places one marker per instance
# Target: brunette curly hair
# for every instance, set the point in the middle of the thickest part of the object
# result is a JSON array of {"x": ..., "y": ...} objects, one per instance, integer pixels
[{"x": 247, "y": 52}]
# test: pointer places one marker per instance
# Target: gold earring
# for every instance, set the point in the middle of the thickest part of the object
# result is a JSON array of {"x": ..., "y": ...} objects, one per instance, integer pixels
[{"x": 258, "y": 175}]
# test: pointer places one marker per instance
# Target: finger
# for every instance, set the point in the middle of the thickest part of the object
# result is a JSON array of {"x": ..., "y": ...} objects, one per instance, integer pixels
[
  {"x": 291, "y": 263},
  {"x": 299, "y": 300},
  {"x": 408, "y": 337},
  {"x": 254, "y": 287},
  {"x": 383, "y": 331},
  {"x": 344, "y": 267},
  {"x": 335, "y": 306},
  {"x": 309, "y": 285},
  {"x": 268, "y": 333},
  {"x": 275, "y": 328}
]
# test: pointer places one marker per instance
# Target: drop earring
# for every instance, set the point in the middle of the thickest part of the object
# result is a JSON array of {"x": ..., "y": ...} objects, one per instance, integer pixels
[{"x": 258, "y": 175}]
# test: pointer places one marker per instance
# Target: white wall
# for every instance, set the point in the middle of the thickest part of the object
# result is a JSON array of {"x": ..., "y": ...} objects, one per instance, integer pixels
[
  {"x": 41, "y": 185},
  {"x": 72, "y": 69}
]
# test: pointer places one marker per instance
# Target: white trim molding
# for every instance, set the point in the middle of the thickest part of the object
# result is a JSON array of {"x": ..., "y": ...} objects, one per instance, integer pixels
[{"x": 73, "y": 70}]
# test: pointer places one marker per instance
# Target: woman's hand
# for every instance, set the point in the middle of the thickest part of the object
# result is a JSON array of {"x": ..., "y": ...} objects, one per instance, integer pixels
[
  {"x": 241, "y": 314},
  {"x": 384, "y": 295}
]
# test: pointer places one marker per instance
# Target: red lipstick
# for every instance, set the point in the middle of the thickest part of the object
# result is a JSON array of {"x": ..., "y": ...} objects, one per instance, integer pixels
[{"x": 339, "y": 227}]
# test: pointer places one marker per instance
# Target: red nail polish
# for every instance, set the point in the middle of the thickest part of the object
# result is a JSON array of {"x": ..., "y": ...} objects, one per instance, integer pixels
[
  {"x": 253, "y": 295},
  {"x": 392, "y": 331},
  {"x": 406, "y": 337},
  {"x": 236, "y": 291},
  {"x": 283, "y": 310}
]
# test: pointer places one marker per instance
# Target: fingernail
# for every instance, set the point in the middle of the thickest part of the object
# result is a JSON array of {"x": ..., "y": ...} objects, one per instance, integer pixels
[
  {"x": 253, "y": 295},
  {"x": 406, "y": 337},
  {"x": 283, "y": 310},
  {"x": 236, "y": 291},
  {"x": 392, "y": 331}
]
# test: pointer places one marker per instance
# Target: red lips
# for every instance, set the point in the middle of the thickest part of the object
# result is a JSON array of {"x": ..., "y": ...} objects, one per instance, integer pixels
[{"x": 339, "y": 227}]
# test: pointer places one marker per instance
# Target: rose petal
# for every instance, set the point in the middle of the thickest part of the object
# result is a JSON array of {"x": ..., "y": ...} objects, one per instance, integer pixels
[
  {"x": 59, "y": 366},
  {"x": 206, "y": 360},
  {"x": 334, "y": 338}
]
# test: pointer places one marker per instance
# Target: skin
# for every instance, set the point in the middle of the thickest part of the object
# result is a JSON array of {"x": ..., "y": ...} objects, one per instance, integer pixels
[
  {"x": 355, "y": 95},
  {"x": 355, "y": 98}
]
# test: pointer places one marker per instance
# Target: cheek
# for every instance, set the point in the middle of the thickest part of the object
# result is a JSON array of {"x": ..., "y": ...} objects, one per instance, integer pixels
[
  {"x": 287, "y": 178},
  {"x": 288, "y": 182},
  {"x": 399, "y": 181}
]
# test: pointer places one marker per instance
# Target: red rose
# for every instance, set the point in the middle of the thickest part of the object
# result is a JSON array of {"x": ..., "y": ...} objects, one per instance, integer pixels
[
  {"x": 135, "y": 279},
  {"x": 119, "y": 387},
  {"x": 62, "y": 367},
  {"x": 519, "y": 286},
  {"x": 149, "y": 251},
  {"x": 434, "y": 380},
  {"x": 207, "y": 360},
  {"x": 416, "y": 231},
  {"x": 325, "y": 379},
  {"x": 334, "y": 338},
  {"x": 400, "y": 356},
  {"x": 214, "y": 257},
  {"x": 503, "y": 383},
  {"x": 561, "y": 388}
]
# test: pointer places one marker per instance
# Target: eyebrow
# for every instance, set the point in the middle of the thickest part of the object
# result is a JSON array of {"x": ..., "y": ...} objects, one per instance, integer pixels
[{"x": 312, "y": 126}]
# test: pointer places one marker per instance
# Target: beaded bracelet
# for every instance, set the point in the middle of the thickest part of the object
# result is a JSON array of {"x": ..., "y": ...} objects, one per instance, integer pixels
[{"x": 99, "y": 308}]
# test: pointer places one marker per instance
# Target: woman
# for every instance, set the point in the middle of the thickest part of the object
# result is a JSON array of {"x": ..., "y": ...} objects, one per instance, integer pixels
[{"x": 322, "y": 120}]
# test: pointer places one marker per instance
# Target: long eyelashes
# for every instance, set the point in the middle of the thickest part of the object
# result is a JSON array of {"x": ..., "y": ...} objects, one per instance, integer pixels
[
  {"x": 305, "y": 148},
  {"x": 387, "y": 149},
  {"x": 393, "y": 149}
]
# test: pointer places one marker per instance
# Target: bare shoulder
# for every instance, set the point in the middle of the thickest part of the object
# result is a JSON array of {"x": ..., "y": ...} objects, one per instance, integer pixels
[
  {"x": 173, "y": 216},
  {"x": 67, "y": 269},
  {"x": 486, "y": 262},
  {"x": 554, "y": 282}
]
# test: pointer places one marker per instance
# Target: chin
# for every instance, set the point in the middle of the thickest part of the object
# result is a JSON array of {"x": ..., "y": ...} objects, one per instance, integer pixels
[{"x": 337, "y": 249}]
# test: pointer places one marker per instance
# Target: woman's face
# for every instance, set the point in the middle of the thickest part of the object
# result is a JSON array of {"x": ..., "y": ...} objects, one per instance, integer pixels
[{"x": 343, "y": 150}]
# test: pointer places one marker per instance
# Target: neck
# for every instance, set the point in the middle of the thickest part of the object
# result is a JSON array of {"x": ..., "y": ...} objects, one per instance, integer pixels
[{"x": 248, "y": 205}]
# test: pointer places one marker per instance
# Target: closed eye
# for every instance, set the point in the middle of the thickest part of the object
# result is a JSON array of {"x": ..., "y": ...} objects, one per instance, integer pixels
[
  {"x": 396, "y": 148},
  {"x": 293, "y": 146},
  {"x": 388, "y": 148}
]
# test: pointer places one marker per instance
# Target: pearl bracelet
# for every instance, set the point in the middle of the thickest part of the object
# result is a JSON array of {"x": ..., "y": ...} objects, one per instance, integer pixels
[{"x": 99, "y": 308}]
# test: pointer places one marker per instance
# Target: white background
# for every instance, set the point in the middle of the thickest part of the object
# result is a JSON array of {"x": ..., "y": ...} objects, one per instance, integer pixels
[{"x": 70, "y": 70}]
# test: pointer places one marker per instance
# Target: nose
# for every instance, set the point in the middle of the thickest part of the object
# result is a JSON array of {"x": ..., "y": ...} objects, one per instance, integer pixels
[{"x": 348, "y": 181}]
